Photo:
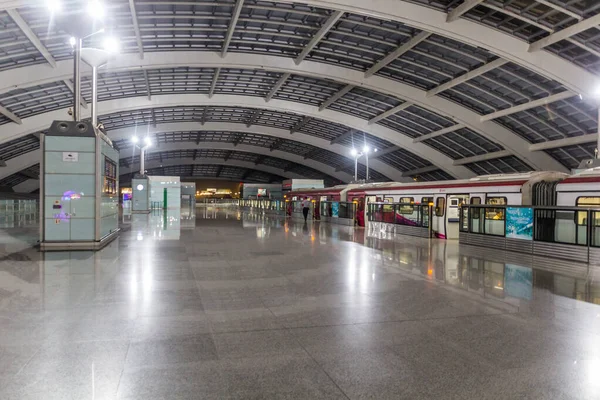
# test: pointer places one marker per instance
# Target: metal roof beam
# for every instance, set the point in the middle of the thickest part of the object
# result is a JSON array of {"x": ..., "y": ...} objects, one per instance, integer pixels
[
  {"x": 566, "y": 33},
  {"x": 341, "y": 93},
  {"x": 70, "y": 86},
  {"x": 214, "y": 161},
  {"x": 301, "y": 124},
  {"x": 503, "y": 44},
  {"x": 213, "y": 84},
  {"x": 467, "y": 76},
  {"x": 219, "y": 169},
  {"x": 571, "y": 141},
  {"x": 14, "y": 14},
  {"x": 253, "y": 118},
  {"x": 491, "y": 130},
  {"x": 438, "y": 133},
  {"x": 462, "y": 9},
  {"x": 39, "y": 122},
  {"x": 136, "y": 28},
  {"x": 234, "y": 18},
  {"x": 325, "y": 28},
  {"x": 383, "y": 152},
  {"x": 278, "y": 85},
  {"x": 529, "y": 105},
  {"x": 482, "y": 157},
  {"x": 28, "y": 174},
  {"x": 241, "y": 130},
  {"x": 560, "y": 9},
  {"x": 8, "y": 114},
  {"x": 276, "y": 144},
  {"x": 246, "y": 174},
  {"x": 204, "y": 115},
  {"x": 390, "y": 112},
  {"x": 259, "y": 160},
  {"x": 415, "y": 40},
  {"x": 153, "y": 117},
  {"x": 147, "y": 85},
  {"x": 420, "y": 171},
  {"x": 343, "y": 136}
]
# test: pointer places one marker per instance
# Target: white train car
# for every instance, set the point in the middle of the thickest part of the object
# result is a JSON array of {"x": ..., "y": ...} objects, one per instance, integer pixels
[
  {"x": 580, "y": 190},
  {"x": 532, "y": 188}
]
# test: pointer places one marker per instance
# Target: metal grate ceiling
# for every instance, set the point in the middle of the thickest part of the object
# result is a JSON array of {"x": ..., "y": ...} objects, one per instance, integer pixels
[{"x": 325, "y": 37}]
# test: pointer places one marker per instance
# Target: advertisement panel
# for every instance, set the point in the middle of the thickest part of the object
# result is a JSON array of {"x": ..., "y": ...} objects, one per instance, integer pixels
[
  {"x": 335, "y": 209},
  {"x": 519, "y": 223}
]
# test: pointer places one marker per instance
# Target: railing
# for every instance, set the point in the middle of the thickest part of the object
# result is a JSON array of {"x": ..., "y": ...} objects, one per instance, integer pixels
[
  {"x": 399, "y": 214},
  {"x": 560, "y": 232},
  {"x": 262, "y": 204}
]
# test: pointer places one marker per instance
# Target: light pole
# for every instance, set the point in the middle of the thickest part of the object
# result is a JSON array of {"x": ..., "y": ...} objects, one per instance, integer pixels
[
  {"x": 357, "y": 155},
  {"x": 77, "y": 22},
  {"x": 147, "y": 144},
  {"x": 97, "y": 58}
]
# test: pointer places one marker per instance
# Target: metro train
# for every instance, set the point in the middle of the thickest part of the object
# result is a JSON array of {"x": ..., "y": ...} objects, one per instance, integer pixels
[{"x": 531, "y": 188}]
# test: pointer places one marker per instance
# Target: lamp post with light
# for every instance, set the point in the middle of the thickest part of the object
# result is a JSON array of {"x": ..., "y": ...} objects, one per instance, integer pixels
[
  {"x": 77, "y": 23},
  {"x": 96, "y": 58},
  {"x": 357, "y": 155},
  {"x": 147, "y": 144}
]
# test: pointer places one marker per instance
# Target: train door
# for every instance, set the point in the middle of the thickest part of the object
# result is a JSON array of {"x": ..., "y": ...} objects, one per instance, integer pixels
[
  {"x": 369, "y": 199},
  {"x": 453, "y": 204},
  {"x": 439, "y": 212}
]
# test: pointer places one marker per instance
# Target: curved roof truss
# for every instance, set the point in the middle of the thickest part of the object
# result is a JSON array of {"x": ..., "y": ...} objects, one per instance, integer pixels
[
  {"x": 38, "y": 122},
  {"x": 461, "y": 116},
  {"x": 392, "y": 48},
  {"x": 229, "y": 152},
  {"x": 216, "y": 161}
]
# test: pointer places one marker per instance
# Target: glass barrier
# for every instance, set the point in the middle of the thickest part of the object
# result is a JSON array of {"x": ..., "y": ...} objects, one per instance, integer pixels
[
  {"x": 347, "y": 210},
  {"x": 563, "y": 225},
  {"x": 400, "y": 214}
]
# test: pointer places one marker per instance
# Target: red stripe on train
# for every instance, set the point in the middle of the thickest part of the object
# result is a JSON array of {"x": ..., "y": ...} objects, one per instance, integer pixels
[{"x": 448, "y": 186}]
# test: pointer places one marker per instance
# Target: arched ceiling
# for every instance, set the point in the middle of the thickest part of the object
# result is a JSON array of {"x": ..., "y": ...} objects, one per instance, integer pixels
[{"x": 448, "y": 89}]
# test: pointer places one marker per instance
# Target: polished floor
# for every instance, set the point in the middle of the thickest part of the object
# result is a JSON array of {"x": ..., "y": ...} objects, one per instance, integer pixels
[{"x": 232, "y": 305}]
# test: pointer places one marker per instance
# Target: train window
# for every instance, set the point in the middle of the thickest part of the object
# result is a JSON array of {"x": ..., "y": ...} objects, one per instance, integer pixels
[
  {"x": 440, "y": 206},
  {"x": 496, "y": 200},
  {"x": 388, "y": 207},
  {"x": 588, "y": 202},
  {"x": 406, "y": 205},
  {"x": 475, "y": 200},
  {"x": 426, "y": 200},
  {"x": 494, "y": 213},
  {"x": 591, "y": 202}
]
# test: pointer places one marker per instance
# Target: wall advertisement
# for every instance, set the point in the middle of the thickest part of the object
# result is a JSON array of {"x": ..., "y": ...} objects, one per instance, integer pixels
[
  {"x": 335, "y": 209},
  {"x": 519, "y": 223}
]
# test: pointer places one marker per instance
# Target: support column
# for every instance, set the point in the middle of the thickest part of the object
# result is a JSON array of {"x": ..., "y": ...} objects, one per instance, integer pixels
[
  {"x": 77, "y": 80},
  {"x": 94, "y": 96}
]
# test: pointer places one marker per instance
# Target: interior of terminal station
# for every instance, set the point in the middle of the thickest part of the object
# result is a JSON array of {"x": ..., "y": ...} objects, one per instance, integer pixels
[{"x": 299, "y": 199}]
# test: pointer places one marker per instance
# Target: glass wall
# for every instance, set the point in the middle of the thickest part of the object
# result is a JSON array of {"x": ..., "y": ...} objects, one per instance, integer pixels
[{"x": 562, "y": 225}]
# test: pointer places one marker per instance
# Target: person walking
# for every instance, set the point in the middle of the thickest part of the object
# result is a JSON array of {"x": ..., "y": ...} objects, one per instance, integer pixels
[{"x": 305, "y": 207}]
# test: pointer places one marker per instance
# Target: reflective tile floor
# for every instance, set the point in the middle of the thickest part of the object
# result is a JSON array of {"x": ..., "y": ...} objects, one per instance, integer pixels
[{"x": 231, "y": 305}]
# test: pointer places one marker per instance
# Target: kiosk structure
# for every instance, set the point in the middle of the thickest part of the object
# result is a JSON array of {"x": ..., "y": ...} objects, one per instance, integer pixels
[{"x": 79, "y": 188}]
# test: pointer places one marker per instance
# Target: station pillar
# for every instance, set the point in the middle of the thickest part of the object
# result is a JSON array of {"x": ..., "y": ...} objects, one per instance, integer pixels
[{"x": 79, "y": 186}]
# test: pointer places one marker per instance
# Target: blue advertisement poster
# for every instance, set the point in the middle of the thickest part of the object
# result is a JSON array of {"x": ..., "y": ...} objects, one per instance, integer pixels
[
  {"x": 519, "y": 223},
  {"x": 335, "y": 209},
  {"x": 518, "y": 281}
]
